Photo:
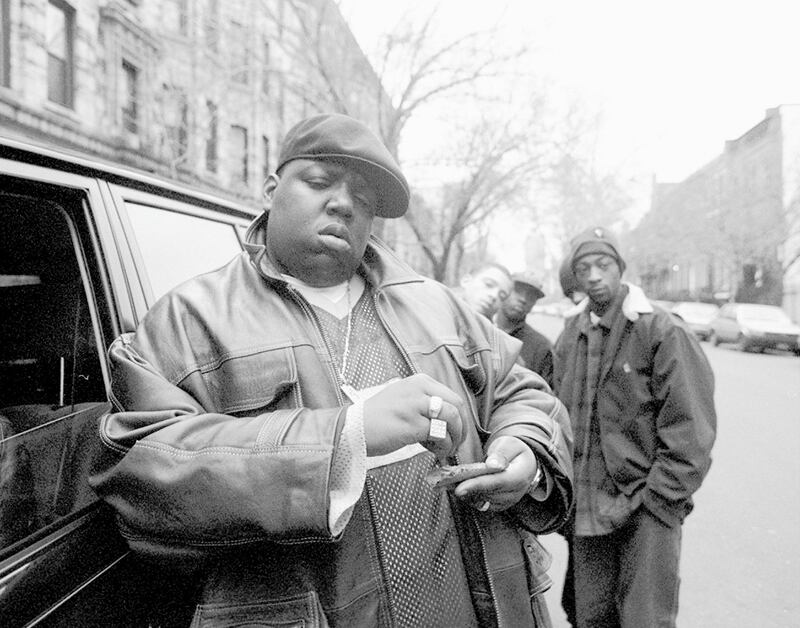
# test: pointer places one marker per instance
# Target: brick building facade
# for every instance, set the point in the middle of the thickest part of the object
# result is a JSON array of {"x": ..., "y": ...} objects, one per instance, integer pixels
[
  {"x": 197, "y": 90},
  {"x": 731, "y": 230}
]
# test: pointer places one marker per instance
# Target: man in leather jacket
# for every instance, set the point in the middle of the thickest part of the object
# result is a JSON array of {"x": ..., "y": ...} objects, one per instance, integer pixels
[
  {"x": 640, "y": 393},
  {"x": 277, "y": 420}
]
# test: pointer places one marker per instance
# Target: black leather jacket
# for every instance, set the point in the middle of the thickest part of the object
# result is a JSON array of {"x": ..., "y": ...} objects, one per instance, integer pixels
[{"x": 221, "y": 390}]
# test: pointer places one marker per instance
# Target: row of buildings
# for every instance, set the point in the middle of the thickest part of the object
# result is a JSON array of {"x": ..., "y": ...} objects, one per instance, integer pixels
[
  {"x": 195, "y": 90},
  {"x": 730, "y": 230}
]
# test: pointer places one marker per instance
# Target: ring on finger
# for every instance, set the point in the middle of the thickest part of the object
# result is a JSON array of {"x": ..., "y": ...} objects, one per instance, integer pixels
[
  {"x": 434, "y": 407},
  {"x": 437, "y": 430},
  {"x": 485, "y": 506}
]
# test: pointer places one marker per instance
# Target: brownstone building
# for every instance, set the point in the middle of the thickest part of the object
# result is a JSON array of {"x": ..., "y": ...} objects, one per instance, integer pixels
[
  {"x": 731, "y": 230},
  {"x": 197, "y": 90}
]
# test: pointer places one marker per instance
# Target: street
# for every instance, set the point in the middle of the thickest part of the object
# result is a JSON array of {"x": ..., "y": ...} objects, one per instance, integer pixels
[{"x": 740, "y": 564}]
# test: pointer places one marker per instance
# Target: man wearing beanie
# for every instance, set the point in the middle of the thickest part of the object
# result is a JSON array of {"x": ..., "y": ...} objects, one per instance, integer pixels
[
  {"x": 281, "y": 423},
  {"x": 640, "y": 392}
]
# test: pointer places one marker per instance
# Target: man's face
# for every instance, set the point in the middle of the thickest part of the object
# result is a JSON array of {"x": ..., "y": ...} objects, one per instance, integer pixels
[
  {"x": 519, "y": 303},
  {"x": 486, "y": 289},
  {"x": 599, "y": 276},
  {"x": 320, "y": 217}
]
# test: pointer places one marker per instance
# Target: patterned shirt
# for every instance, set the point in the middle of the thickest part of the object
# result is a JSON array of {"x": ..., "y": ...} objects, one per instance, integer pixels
[{"x": 414, "y": 527}]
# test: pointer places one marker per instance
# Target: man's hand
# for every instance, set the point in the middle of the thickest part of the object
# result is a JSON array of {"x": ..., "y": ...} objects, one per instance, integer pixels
[
  {"x": 504, "y": 489},
  {"x": 398, "y": 416}
]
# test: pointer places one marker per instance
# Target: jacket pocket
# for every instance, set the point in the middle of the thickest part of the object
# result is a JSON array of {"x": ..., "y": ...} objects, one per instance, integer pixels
[
  {"x": 302, "y": 611},
  {"x": 471, "y": 371},
  {"x": 538, "y": 561},
  {"x": 265, "y": 380}
]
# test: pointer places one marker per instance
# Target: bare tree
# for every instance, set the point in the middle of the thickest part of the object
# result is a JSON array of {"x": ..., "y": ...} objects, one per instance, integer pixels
[
  {"x": 581, "y": 192},
  {"x": 495, "y": 162}
]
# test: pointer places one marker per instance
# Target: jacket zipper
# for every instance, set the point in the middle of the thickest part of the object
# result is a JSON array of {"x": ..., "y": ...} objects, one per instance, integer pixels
[
  {"x": 392, "y": 335},
  {"x": 301, "y": 301}
]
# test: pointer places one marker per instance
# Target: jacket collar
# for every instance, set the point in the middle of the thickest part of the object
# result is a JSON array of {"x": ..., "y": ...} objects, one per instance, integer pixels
[
  {"x": 381, "y": 267},
  {"x": 634, "y": 304}
]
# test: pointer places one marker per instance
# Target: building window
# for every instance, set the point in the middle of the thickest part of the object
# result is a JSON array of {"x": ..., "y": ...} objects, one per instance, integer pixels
[
  {"x": 5, "y": 43},
  {"x": 176, "y": 119},
  {"x": 130, "y": 107},
  {"x": 240, "y": 53},
  {"x": 211, "y": 137},
  {"x": 265, "y": 70},
  {"x": 238, "y": 148},
  {"x": 59, "y": 33},
  {"x": 211, "y": 25},
  {"x": 176, "y": 16},
  {"x": 265, "y": 171}
]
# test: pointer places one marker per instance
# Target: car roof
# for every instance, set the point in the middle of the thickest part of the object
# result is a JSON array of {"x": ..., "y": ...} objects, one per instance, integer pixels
[{"x": 67, "y": 160}]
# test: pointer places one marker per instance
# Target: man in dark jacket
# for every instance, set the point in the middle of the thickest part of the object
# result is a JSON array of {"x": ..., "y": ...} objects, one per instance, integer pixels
[
  {"x": 640, "y": 396},
  {"x": 537, "y": 350},
  {"x": 277, "y": 420}
]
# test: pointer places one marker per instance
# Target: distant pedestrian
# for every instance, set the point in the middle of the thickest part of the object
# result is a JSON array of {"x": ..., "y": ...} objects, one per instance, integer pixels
[
  {"x": 639, "y": 391},
  {"x": 486, "y": 287},
  {"x": 569, "y": 283},
  {"x": 537, "y": 350}
]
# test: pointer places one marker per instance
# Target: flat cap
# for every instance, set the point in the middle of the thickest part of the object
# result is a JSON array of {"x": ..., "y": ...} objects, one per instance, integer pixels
[
  {"x": 337, "y": 137},
  {"x": 529, "y": 279}
]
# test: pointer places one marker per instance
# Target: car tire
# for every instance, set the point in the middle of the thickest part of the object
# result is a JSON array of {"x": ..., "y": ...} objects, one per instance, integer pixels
[
  {"x": 743, "y": 345},
  {"x": 713, "y": 339}
]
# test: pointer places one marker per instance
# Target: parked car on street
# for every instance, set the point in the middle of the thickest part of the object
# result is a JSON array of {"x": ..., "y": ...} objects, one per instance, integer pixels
[
  {"x": 86, "y": 247},
  {"x": 755, "y": 327},
  {"x": 697, "y": 316}
]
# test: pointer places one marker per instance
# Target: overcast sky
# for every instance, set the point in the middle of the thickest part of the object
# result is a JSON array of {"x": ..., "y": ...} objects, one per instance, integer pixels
[{"x": 673, "y": 80}]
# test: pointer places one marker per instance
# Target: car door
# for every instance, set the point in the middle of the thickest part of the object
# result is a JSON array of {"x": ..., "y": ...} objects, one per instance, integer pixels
[
  {"x": 727, "y": 330},
  {"x": 62, "y": 296}
]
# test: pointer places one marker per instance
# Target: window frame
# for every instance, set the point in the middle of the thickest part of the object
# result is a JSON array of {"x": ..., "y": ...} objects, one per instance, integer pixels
[
  {"x": 235, "y": 218},
  {"x": 69, "y": 61},
  {"x": 71, "y": 200},
  {"x": 129, "y": 111},
  {"x": 241, "y": 174}
]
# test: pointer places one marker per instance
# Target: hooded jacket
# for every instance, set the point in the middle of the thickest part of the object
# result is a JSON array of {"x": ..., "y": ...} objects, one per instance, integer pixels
[{"x": 228, "y": 415}]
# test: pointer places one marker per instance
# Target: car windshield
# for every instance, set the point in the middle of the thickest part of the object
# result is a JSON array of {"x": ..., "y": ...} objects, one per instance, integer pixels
[
  {"x": 767, "y": 313},
  {"x": 706, "y": 310}
]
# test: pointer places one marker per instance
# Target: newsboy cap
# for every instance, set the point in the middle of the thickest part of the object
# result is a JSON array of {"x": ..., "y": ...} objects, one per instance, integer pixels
[
  {"x": 595, "y": 240},
  {"x": 529, "y": 279},
  {"x": 337, "y": 137}
]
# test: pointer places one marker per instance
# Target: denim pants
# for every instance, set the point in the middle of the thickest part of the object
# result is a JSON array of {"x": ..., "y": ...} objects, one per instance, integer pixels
[{"x": 629, "y": 578}]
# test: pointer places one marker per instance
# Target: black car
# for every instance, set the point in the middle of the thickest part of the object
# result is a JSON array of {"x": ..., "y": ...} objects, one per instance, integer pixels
[{"x": 85, "y": 249}]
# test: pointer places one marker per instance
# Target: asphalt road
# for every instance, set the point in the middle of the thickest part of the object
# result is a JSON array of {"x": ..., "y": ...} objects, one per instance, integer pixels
[{"x": 740, "y": 565}]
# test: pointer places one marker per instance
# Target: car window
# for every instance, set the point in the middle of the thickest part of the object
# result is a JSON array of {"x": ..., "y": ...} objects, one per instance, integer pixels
[
  {"x": 177, "y": 246},
  {"x": 764, "y": 313},
  {"x": 696, "y": 309},
  {"x": 52, "y": 388}
]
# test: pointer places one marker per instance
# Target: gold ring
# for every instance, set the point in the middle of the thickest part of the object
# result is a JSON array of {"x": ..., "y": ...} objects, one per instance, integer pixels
[
  {"x": 434, "y": 407},
  {"x": 437, "y": 430},
  {"x": 485, "y": 506}
]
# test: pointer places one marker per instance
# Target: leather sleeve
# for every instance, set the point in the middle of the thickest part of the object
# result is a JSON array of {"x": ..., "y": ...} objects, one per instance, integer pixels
[
  {"x": 522, "y": 406},
  {"x": 182, "y": 477}
]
